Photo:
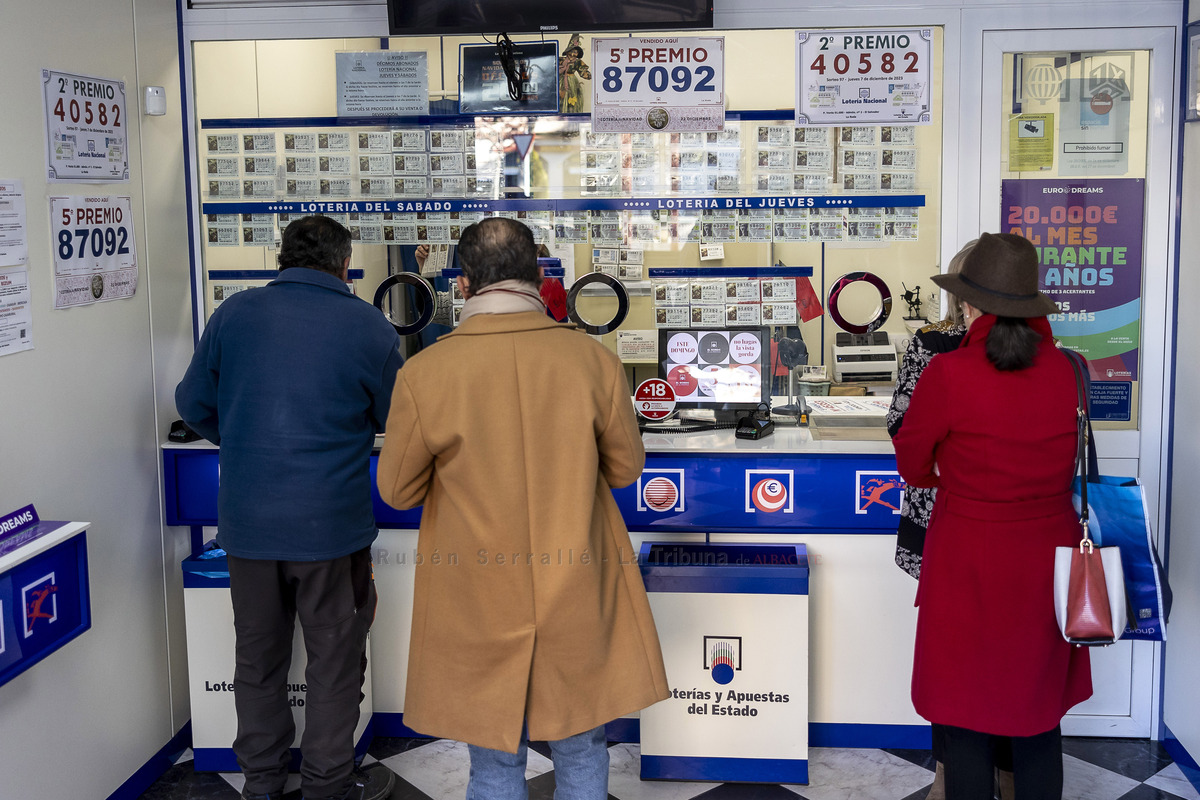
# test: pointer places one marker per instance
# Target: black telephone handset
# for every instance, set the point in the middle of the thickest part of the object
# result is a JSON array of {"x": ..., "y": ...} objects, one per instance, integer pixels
[{"x": 755, "y": 425}]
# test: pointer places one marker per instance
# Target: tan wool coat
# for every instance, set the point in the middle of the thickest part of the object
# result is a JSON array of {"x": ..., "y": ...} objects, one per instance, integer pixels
[{"x": 529, "y": 606}]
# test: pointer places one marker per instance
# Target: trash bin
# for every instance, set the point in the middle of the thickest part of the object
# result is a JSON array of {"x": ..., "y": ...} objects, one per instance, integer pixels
[
  {"x": 733, "y": 623},
  {"x": 208, "y": 614}
]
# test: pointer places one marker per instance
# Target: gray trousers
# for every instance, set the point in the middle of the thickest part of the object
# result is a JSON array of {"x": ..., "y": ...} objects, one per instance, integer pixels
[{"x": 335, "y": 602}]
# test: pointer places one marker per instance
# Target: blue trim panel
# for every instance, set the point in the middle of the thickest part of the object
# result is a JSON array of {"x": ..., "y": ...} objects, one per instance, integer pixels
[
  {"x": 444, "y": 120},
  {"x": 729, "y": 272},
  {"x": 843, "y": 734},
  {"x": 1176, "y": 750},
  {"x": 391, "y": 724},
  {"x": 726, "y": 770},
  {"x": 724, "y": 568},
  {"x": 826, "y": 492},
  {"x": 156, "y": 767},
  {"x": 222, "y": 759},
  {"x": 712, "y": 497},
  {"x": 711, "y": 582},
  {"x": 625, "y": 729},
  {"x": 191, "y": 477},
  {"x": 263, "y": 274},
  {"x": 726, "y": 203},
  {"x": 548, "y": 272},
  {"x": 671, "y": 203},
  {"x": 186, "y": 135}
]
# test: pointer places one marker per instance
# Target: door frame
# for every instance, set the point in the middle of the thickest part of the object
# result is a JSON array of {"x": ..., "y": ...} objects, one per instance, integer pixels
[{"x": 1142, "y": 451}]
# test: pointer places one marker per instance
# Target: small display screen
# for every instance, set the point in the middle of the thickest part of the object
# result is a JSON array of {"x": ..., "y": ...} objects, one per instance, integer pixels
[
  {"x": 409, "y": 17},
  {"x": 716, "y": 368}
]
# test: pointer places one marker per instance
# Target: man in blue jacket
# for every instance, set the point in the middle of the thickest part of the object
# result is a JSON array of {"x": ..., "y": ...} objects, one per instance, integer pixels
[{"x": 293, "y": 380}]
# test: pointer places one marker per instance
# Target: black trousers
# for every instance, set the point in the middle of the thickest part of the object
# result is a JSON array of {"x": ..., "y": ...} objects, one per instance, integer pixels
[
  {"x": 970, "y": 763},
  {"x": 1001, "y": 748},
  {"x": 335, "y": 602}
]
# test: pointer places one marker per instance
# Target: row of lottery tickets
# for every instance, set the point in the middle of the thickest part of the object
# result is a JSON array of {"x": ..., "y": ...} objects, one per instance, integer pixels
[
  {"x": 408, "y": 163},
  {"x": 765, "y": 158},
  {"x": 718, "y": 302},
  {"x": 347, "y": 163}
]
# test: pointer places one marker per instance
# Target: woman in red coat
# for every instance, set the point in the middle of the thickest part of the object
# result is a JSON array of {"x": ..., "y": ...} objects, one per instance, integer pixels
[{"x": 992, "y": 425}]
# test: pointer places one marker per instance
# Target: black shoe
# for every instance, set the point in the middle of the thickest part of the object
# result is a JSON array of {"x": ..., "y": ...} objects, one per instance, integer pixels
[
  {"x": 268, "y": 796},
  {"x": 369, "y": 783}
]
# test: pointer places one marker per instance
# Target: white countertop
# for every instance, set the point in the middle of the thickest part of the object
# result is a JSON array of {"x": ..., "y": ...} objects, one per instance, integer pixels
[{"x": 785, "y": 439}]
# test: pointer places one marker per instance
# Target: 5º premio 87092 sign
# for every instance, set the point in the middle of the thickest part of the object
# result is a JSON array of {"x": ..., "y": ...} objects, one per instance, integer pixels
[
  {"x": 863, "y": 77},
  {"x": 94, "y": 254},
  {"x": 86, "y": 127},
  {"x": 658, "y": 84}
]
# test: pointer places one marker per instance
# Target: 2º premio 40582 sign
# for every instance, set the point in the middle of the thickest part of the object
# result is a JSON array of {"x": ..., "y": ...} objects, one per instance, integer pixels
[
  {"x": 863, "y": 77},
  {"x": 85, "y": 128}
]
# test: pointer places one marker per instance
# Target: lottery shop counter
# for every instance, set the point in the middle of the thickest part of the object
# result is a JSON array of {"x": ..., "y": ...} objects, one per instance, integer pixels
[{"x": 840, "y": 499}]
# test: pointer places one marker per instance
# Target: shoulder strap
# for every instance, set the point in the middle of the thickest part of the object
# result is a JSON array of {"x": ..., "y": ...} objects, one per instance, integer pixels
[
  {"x": 1080, "y": 365},
  {"x": 1083, "y": 440}
]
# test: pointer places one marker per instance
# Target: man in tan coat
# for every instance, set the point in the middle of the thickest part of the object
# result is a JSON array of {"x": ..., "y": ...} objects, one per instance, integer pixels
[{"x": 530, "y": 619}]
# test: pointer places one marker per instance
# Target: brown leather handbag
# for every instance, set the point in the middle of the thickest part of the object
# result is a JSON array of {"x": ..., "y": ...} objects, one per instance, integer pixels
[{"x": 1089, "y": 583}]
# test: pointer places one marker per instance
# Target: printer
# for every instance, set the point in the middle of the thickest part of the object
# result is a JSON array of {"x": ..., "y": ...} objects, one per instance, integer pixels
[{"x": 864, "y": 357}]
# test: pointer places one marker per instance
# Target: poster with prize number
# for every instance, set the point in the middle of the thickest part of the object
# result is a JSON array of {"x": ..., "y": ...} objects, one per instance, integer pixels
[
  {"x": 1088, "y": 234},
  {"x": 658, "y": 84},
  {"x": 94, "y": 254},
  {"x": 864, "y": 77},
  {"x": 86, "y": 136}
]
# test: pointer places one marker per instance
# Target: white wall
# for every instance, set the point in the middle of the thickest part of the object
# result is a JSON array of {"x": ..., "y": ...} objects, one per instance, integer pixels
[
  {"x": 80, "y": 427},
  {"x": 1181, "y": 693}
]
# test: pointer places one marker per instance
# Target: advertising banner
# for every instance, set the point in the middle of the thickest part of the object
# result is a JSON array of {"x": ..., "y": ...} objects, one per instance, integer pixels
[
  {"x": 658, "y": 84},
  {"x": 85, "y": 128},
  {"x": 864, "y": 77},
  {"x": 1088, "y": 233}
]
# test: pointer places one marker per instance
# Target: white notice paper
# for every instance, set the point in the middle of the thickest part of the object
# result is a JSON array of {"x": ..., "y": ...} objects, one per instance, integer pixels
[
  {"x": 16, "y": 322},
  {"x": 14, "y": 239},
  {"x": 382, "y": 83}
]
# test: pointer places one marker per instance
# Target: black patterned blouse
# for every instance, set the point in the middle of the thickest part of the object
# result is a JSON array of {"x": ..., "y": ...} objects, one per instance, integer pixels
[{"x": 940, "y": 337}]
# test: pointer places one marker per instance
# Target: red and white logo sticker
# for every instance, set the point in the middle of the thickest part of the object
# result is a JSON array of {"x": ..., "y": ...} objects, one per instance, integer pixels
[
  {"x": 654, "y": 399},
  {"x": 769, "y": 491},
  {"x": 661, "y": 490},
  {"x": 660, "y": 494}
]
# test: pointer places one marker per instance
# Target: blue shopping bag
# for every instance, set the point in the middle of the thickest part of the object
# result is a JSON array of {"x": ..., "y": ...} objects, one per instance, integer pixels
[{"x": 1118, "y": 517}]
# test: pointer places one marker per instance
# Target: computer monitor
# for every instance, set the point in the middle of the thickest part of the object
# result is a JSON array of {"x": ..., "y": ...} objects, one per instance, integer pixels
[{"x": 723, "y": 370}]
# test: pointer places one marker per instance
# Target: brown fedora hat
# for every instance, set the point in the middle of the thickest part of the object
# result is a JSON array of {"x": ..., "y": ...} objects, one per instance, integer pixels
[{"x": 1000, "y": 276}]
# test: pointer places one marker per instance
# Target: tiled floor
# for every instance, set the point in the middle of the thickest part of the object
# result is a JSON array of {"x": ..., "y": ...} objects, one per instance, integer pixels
[{"x": 1095, "y": 769}]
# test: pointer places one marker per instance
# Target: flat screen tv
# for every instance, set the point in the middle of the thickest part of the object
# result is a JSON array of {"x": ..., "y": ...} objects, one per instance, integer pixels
[
  {"x": 723, "y": 370},
  {"x": 456, "y": 17}
]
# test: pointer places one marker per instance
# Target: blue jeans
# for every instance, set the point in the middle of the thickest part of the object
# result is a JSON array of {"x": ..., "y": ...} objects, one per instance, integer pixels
[{"x": 580, "y": 769}]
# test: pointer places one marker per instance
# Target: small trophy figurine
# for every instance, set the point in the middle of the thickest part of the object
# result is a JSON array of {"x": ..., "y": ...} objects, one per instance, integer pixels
[{"x": 912, "y": 297}]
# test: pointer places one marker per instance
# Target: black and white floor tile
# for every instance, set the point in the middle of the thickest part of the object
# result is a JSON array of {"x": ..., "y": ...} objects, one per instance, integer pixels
[{"x": 1094, "y": 769}]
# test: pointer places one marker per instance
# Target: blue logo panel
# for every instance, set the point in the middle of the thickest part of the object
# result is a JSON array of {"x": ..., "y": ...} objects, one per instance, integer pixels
[
  {"x": 44, "y": 603},
  {"x": 784, "y": 494},
  {"x": 676, "y": 492}
]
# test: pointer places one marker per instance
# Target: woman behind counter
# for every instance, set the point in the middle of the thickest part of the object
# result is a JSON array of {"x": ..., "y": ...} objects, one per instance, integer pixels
[{"x": 992, "y": 426}]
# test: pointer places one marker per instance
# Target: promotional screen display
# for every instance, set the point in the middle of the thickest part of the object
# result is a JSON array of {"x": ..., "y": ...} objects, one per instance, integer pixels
[{"x": 722, "y": 369}]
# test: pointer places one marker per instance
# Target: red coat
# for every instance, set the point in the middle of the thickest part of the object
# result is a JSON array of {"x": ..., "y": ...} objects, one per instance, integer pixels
[{"x": 989, "y": 655}]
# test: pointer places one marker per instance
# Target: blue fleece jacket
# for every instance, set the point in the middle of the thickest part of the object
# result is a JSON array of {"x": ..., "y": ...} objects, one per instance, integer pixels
[{"x": 293, "y": 380}]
